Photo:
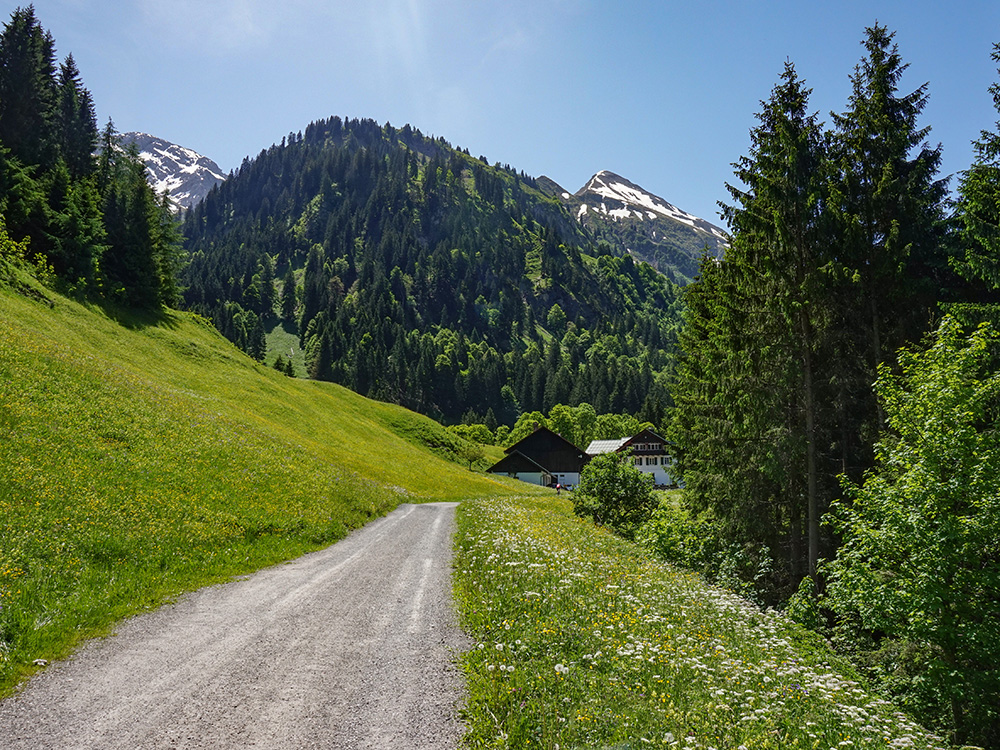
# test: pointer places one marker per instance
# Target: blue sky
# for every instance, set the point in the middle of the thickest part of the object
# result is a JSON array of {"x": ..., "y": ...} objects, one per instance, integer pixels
[{"x": 664, "y": 93}]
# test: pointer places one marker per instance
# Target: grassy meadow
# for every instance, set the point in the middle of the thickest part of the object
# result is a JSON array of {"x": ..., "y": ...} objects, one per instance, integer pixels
[
  {"x": 582, "y": 640},
  {"x": 145, "y": 456}
]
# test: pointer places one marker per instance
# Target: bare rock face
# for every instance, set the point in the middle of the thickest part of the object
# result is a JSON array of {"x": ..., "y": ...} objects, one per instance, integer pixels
[{"x": 186, "y": 175}]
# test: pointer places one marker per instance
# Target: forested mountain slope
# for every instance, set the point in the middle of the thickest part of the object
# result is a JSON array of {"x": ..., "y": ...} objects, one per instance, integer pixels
[{"x": 418, "y": 274}]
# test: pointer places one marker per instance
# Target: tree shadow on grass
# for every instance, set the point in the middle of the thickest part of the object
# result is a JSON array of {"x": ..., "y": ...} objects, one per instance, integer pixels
[{"x": 135, "y": 318}]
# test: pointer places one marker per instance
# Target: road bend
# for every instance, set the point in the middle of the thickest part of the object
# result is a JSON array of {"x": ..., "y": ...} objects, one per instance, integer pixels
[{"x": 350, "y": 647}]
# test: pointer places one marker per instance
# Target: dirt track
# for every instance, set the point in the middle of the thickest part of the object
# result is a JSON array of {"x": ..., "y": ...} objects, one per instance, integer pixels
[{"x": 350, "y": 647}]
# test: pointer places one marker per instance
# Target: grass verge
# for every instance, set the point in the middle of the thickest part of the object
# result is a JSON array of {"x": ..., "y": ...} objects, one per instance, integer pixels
[{"x": 585, "y": 641}]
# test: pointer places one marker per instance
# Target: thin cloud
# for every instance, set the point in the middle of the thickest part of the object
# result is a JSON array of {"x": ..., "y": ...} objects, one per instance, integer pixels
[
  {"x": 513, "y": 41},
  {"x": 217, "y": 25}
]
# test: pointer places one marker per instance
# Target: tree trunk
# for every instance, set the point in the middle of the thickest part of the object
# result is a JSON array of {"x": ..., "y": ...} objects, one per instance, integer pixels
[
  {"x": 809, "y": 397},
  {"x": 876, "y": 354}
]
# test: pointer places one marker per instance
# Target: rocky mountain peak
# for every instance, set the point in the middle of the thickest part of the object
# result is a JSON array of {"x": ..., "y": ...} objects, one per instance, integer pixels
[
  {"x": 619, "y": 198},
  {"x": 186, "y": 175},
  {"x": 632, "y": 220}
]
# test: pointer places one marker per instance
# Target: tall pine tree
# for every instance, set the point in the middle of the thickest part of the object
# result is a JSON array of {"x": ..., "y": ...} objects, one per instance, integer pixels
[
  {"x": 890, "y": 206},
  {"x": 29, "y": 93},
  {"x": 782, "y": 246},
  {"x": 77, "y": 121},
  {"x": 748, "y": 393},
  {"x": 978, "y": 214}
]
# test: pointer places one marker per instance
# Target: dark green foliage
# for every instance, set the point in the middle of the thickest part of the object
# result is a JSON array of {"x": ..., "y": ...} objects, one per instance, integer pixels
[
  {"x": 614, "y": 493},
  {"x": 840, "y": 257},
  {"x": 95, "y": 222},
  {"x": 77, "y": 121},
  {"x": 889, "y": 202},
  {"x": 889, "y": 210},
  {"x": 748, "y": 389},
  {"x": 284, "y": 365},
  {"x": 288, "y": 297},
  {"x": 144, "y": 256},
  {"x": 978, "y": 214},
  {"x": 837, "y": 259},
  {"x": 428, "y": 278},
  {"x": 29, "y": 94}
]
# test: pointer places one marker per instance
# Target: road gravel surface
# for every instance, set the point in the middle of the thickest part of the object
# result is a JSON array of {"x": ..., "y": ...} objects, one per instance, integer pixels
[{"x": 350, "y": 647}]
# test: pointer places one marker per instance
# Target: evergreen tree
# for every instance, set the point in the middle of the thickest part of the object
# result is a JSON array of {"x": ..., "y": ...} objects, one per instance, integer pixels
[
  {"x": 890, "y": 208},
  {"x": 75, "y": 227},
  {"x": 77, "y": 121},
  {"x": 747, "y": 390},
  {"x": 288, "y": 296},
  {"x": 168, "y": 249},
  {"x": 144, "y": 252},
  {"x": 29, "y": 94},
  {"x": 978, "y": 214},
  {"x": 780, "y": 250}
]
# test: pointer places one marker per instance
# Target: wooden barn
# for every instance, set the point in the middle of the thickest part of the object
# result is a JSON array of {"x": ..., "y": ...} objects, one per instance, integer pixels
[{"x": 543, "y": 457}]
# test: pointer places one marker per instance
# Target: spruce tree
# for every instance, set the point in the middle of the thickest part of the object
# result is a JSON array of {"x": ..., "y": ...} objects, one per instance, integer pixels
[
  {"x": 29, "y": 94},
  {"x": 781, "y": 245},
  {"x": 747, "y": 392},
  {"x": 890, "y": 207},
  {"x": 978, "y": 214},
  {"x": 144, "y": 254},
  {"x": 77, "y": 121},
  {"x": 288, "y": 296}
]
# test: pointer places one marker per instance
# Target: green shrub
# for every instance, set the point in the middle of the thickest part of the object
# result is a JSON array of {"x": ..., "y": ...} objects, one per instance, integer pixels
[
  {"x": 614, "y": 493},
  {"x": 679, "y": 537}
]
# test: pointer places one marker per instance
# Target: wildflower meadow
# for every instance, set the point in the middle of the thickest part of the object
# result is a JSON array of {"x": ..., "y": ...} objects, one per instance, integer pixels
[{"x": 582, "y": 640}]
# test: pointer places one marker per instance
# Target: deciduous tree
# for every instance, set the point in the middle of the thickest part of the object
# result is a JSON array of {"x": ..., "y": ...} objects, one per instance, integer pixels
[{"x": 921, "y": 535}]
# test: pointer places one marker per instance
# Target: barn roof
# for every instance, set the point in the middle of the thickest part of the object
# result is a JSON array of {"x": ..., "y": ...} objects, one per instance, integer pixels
[{"x": 515, "y": 463}]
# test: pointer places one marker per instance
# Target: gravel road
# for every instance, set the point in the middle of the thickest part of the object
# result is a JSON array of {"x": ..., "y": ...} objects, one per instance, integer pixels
[{"x": 349, "y": 647}]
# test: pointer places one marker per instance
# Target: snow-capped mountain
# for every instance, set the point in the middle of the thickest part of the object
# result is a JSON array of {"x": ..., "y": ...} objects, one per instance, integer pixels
[
  {"x": 185, "y": 174},
  {"x": 618, "y": 198},
  {"x": 633, "y": 220}
]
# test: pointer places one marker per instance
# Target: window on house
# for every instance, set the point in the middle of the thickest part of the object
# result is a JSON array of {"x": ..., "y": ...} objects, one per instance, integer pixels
[
  {"x": 650, "y": 462},
  {"x": 637, "y": 461},
  {"x": 664, "y": 461}
]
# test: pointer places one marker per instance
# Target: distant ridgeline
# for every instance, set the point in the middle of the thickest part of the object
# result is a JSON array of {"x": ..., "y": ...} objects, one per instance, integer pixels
[{"x": 417, "y": 274}]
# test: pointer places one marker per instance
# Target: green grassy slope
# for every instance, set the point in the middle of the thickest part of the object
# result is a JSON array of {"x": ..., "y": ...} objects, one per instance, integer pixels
[{"x": 143, "y": 457}]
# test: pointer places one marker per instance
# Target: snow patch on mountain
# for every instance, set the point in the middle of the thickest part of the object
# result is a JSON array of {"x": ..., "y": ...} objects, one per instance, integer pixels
[
  {"x": 627, "y": 199},
  {"x": 184, "y": 174}
]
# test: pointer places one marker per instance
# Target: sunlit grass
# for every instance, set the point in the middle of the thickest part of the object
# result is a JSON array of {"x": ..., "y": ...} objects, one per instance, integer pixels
[
  {"x": 283, "y": 340},
  {"x": 585, "y": 642},
  {"x": 144, "y": 457}
]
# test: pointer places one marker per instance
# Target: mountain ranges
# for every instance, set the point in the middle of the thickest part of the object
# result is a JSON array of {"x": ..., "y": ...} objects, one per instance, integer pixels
[{"x": 416, "y": 273}]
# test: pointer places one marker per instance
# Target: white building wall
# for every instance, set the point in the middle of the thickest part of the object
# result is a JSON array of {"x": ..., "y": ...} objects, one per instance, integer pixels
[
  {"x": 661, "y": 473},
  {"x": 571, "y": 478},
  {"x": 531, "y": 477}
]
